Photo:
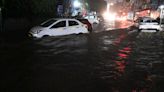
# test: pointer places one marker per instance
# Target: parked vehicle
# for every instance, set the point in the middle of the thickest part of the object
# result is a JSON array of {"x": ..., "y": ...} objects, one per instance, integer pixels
[
  {"x": 93, "y": 19},
  {"x": 58, "y": 27},
  {"x": 149, "y": 24},
  {"x": 89, "y": 25}
]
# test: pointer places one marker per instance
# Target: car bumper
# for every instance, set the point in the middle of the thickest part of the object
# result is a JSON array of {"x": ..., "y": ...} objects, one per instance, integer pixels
[
  {"x": 150, "y": 28},
  {"x": 33, "y": 35}
]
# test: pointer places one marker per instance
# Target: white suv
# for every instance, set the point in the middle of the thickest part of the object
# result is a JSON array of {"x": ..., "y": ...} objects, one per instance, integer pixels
[
  {"x": 149, "y": 24},
  {"x": 93, "y": 19}
]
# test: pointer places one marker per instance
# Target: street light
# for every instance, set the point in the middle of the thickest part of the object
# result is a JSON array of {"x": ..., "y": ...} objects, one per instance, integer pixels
[
  {"x": 161, "y": 13},
  {"x": 111, "y": 4},
  {"x": 76, "y": 4},
  {"x": 108, "y": 6}
]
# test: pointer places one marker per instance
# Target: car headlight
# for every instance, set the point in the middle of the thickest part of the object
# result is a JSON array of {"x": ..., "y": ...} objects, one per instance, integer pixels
[{"x": 38, "y": 31}]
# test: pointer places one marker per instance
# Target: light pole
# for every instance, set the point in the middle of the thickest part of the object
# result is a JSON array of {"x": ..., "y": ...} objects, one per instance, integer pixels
[{"x": 161, "y": 13}]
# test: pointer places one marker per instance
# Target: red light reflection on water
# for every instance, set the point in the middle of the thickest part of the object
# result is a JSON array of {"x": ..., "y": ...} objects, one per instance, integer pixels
[
  {"x": 119, "y": 40},
  {"x": 121, "y": 60},
  {"x": 120, "y": 66}
]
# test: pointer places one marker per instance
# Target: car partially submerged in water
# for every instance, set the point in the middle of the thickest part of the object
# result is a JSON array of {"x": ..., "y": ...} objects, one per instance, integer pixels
[
  {"x": 149, "y": 25},
  {"x": 85, "y": 21},
  {"x": 58, "y": 27}
]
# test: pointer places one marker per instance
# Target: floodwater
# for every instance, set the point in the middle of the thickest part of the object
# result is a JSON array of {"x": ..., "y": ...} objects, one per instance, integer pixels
[{"x": 109, "y": 61}]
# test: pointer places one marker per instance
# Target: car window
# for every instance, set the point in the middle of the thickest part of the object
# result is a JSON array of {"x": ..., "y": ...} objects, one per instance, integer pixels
[
  {"x": 141, "y": 21},
  {"x": 59, "y": 24},
  {"x": 73, "y": 23},
  {"x": 83, "y": 20},
  {"x": 48, "y": 23},
  {"x": 154, "y": 20},
  {"x": 145, "y": 21},
  {"x": 148, "y": 21}
]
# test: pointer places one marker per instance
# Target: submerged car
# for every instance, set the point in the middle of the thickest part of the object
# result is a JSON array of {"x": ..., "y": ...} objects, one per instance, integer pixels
[
  {"x": 149, "y": 24},
  {"x": 58, "y": 27},
  {"x": 85, "y": 21}
]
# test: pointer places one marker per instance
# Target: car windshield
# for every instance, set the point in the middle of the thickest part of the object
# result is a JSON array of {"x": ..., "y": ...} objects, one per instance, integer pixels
[
  {"x": 48, "y": 23},
  {"x": 148, "y": 20}
]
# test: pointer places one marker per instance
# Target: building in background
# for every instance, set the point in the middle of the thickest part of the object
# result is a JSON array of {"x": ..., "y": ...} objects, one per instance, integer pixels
[{"x": 143, "y": 8}]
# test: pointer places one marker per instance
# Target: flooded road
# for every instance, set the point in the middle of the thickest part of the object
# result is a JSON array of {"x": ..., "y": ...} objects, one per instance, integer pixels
[{"x": 109, "y": 61}]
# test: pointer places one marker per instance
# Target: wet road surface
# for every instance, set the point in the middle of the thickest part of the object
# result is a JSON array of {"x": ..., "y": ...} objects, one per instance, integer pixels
[{"x": 109, "y": 61}]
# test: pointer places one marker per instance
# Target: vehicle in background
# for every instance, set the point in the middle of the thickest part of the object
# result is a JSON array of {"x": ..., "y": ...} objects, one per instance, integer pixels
[
  {"x": 149, "y": 24},
  {"x": 93, "y": 19},
  {"x": 138, "y": 20},
  {"x": 58, "y": 27},
  {"x": 85, "y": 21}
]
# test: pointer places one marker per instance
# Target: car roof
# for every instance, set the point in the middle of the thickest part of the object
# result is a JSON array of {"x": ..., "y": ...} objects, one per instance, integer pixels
[{"x": 62, "y": 19}]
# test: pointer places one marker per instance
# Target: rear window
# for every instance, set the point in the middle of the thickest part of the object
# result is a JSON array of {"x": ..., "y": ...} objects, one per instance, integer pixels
[
  {"x": 83, "y": 20},
  {"x": 48, "y": 23},
  {"x": 154, "y": 20},
  {"x": 149, "y": 21},
  {"x": 73, "y": 23}
]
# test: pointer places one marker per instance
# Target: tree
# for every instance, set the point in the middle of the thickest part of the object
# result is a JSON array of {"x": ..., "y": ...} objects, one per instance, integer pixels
[
  {"x": 44, "y": 7},
  {"x": 28, "y": 8},
  {"x": 17, "y": 8}
]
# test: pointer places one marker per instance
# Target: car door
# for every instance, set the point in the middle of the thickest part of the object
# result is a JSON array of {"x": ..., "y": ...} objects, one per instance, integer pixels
[
  {"x": 74, "y": 27},
  {"x": 58, "y": 28}
]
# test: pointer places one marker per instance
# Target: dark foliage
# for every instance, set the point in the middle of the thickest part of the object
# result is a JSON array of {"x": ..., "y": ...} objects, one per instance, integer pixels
[{"x": 30, "y": 8}]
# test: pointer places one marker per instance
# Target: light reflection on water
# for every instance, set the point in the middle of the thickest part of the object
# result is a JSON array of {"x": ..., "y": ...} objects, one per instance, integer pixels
[
  {"x": 104, "y": 63},
  {"x": 123, "y": 55}
]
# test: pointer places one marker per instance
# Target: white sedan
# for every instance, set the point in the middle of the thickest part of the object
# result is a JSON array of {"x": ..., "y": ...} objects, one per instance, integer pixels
[
  {"x": 58, "y": 27},
  {"x": 150, "y": 25}
]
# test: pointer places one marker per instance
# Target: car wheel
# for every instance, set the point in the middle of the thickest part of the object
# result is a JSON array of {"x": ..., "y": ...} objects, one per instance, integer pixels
[
  {"x": 95, "y": 23},
  {"x": 157, "y": 30},
  {"x": 80, "y": 33},
  {"x": 45, "y": 36}
]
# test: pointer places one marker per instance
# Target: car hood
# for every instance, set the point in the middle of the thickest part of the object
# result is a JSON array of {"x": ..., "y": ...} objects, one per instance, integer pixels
[{"x": 37, "y": 29}]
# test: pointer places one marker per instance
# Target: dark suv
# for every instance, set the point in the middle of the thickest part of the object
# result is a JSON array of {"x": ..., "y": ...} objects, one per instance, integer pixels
[{"x": 85, "y": 21}]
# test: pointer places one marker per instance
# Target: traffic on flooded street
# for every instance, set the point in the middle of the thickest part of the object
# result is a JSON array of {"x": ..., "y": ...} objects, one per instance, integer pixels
[{"x": 82, "y": 45}]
